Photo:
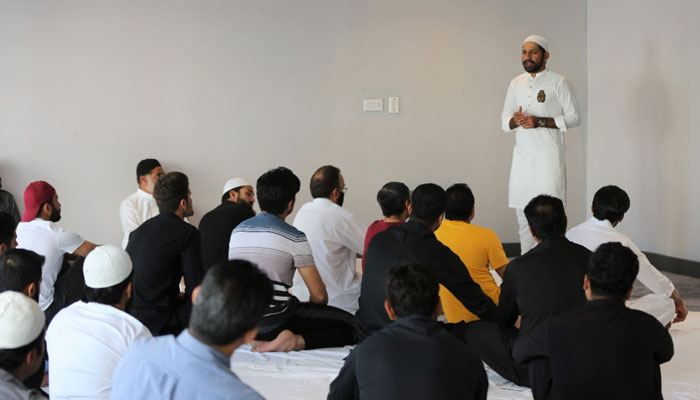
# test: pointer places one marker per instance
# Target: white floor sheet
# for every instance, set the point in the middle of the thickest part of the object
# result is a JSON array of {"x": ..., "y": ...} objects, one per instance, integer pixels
[{"x": 306, "y": 375}]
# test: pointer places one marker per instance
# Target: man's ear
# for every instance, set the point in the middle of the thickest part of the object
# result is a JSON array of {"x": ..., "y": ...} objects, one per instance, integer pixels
[
  {"x": 183, "y": 204},
  {"x": 3, "y": 248},
  {"x": 195, "y": 293},
  {"x": 47, "y": 209},
  {"x": 546, "y": 56},
  {"x": 128, "y": 291},
  {"x": 586, "y": 282},
  {"x": 531, "y": 231},
  {"x": 30, "y": 290},
  {"x": 389, "y": 310}
]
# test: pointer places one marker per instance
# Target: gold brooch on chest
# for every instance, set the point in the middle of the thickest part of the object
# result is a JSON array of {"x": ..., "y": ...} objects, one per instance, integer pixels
[{"x": 541, "y": 97}]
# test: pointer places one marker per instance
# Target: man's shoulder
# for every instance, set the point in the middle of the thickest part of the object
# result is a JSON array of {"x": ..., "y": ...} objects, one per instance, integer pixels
[
  {"x": 265, "y": 223},
  {"x": 131, "y": 199}
]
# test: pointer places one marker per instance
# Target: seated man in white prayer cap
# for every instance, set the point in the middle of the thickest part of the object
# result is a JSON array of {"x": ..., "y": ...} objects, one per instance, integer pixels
[
  {"x": 21, "y": 345},
  {"x": 85, "y": 341}
]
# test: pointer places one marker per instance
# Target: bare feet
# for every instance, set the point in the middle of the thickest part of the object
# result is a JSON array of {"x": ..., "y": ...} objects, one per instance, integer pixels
[{"x": 285, "y": 341}]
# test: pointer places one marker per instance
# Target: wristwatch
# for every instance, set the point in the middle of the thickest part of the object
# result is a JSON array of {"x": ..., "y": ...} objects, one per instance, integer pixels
[{"x": 542, "y": 123}]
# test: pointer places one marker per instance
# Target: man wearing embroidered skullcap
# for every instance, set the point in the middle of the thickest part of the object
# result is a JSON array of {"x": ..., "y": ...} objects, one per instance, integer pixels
[
  {"x": 86, "y": 340},
  {"x": 540, "y": 106},
  {"x": 21, "y": 345}
]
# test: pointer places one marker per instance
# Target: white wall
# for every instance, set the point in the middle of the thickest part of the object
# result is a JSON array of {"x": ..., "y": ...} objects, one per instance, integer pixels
[
  {"x": 219, "y": 89},
  {"x": 644, "y": 98}
]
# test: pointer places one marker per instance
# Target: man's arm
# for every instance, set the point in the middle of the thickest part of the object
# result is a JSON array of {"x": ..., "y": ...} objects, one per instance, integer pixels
[
  {"x": 508, "y": 311},
  {"x": 84, "y": 249},
  {"x": 510, "y": 108},
  {"x": 313, "y": 281},
  {"x": 532, "y": 345},
  {"x": 191, "y": 267},
  {"x": 354, "y": 234},
  {"x": 127, "y": 216},
  {"x": 344, "y": 386},
  {"x": 663, "y": 345}
]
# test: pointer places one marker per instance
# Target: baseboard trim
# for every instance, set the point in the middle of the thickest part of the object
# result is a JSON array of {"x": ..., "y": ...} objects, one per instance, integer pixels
[{"x": 662, "y": 262}]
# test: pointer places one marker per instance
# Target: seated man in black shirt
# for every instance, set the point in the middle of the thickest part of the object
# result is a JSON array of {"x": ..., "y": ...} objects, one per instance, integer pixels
[
  {"x": 164, "y": 249},
  {"x": 602, "y": 350},
  {"x": 543, "y": 282},
  {"x": 216, "y": 225},
  {"x": 415, "y": 357},
  {"x": 415, "y": 242}
]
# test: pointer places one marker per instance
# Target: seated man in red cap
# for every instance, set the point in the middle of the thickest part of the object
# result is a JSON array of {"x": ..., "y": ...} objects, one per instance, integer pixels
[{"x": 40, "y": 233}]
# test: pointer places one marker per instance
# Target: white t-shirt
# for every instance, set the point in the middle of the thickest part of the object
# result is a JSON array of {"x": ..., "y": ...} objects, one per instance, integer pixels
[
  {"x": 51, "y": 241},
  {"x": 336, "y": 237},
  {"x": 85, "y": 341},
  {"x": 134, "y": 211}
]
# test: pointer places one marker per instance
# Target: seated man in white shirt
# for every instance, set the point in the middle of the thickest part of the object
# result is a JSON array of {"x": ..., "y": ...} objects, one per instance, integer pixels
[
  {"x": 140, "y": 206},
  {"x": 40, "y": 233},
  {"x": 610, "y": 203},
  {"x": 336, "y": 237},
  {"x": 85, "y": 341}
]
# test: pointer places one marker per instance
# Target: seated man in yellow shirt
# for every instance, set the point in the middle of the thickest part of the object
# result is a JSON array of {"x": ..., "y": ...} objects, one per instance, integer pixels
[{"x": 477, "y": 247}]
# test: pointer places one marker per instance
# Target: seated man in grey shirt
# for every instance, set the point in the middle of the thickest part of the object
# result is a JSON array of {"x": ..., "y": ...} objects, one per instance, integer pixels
[{"x": 227, "y": 309}]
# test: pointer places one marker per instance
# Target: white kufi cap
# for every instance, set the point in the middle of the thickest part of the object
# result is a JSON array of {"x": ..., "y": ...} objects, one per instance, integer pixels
[
  {"x": 106, "y": 266},
  {"x": 539, "y": 40},
  {"x": 234, "y": 183},
  {"x": 21, "y": 320}
]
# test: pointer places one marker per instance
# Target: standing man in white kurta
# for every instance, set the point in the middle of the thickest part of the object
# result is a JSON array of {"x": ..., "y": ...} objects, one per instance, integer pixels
[{"x": 540, "y": 106}]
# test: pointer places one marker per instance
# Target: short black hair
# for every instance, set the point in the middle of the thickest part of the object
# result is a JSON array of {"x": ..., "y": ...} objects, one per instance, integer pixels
[
  {"x": 428, "y": 203},
  {"x": 8, "y": 225},
  {"x": 392, "y": 198},
  {"x": 170, "y": 189},
  {"x": 231, "y": 301},
  {"x": 612, "y": 270},
  {"x": 460, "y": 202},
  {"x": 10, "y": 359},
  {"x": 144, "y": 167},
  {"x": 546, "y": 216},
  {"x": 323, "y": 181},
  {"x": 412, "y": 289},
  {"x": 275, "y": 189},
  {"x": 611, "y": 203},
  {"x": 19, "y": 268},
  {"x": 109, "y": 295}
]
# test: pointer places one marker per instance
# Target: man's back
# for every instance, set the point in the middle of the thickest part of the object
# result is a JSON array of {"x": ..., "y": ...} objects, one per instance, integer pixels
[
  {"x": 176, "y": 368},
  {"x": 546, "y": 281},
  {"x": 412, "y": 242},
  {"x": 336, "y": 237},
  {"x": 216, "y": 227},
  {"x": 136, "y": 209},
  {"x": 85, "y": 341},
  {"x": 414, "y": 358},
  {"x": 602, "y": 350},
  {"x": 163, "y": 250}
]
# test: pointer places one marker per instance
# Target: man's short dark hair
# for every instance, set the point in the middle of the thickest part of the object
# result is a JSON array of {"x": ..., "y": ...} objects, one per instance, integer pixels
[
  {"x": 460, "y": 202},
  {"x": 7, "y": 228},
  {"x": 546, "y": 216},
  {"x": 428, "y": 203},
  {"x": 170, "y": 189},
  {"x": 10, "y": 359},
  {"x": 392, "y": 198},
  {"x": 611, "y": 203},
  {"x": 110, "y": 295},
  {"x": 144, "y": 167},
  {"x": 323, "y": 181},
  {"x": 19, "y": 268},
  {"x": 612, "y": 270},
  {"x": 412, "y": 289},
  {"x": 231, "y": 301},
  {"x": 275, "y": 189}
]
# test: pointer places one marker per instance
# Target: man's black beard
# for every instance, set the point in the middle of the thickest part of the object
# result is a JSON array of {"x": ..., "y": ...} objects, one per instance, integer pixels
[
  {"x": 244, "y": 203},
  {"x": 55, "y": 215},
  {"x": 535, "y": 66},
  {"x": 341, "y": 198}
]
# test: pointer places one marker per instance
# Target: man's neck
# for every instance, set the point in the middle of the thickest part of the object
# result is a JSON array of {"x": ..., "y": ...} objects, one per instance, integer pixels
[
  {"x": 283, "y": 215},
  {"x": 143, "y": 189},
  {"x": 226, "y": 349},
  {"x": 392, "y": 219}
]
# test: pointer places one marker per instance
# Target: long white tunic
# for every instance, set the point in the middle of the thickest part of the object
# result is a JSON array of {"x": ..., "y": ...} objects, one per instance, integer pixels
[{"x": 538, "y": 156}]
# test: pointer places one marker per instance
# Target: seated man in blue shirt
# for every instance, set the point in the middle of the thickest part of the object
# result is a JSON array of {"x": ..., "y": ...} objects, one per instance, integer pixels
[
  {"x": 414, "y": 357},
  {"x": 227, "y": 309}
]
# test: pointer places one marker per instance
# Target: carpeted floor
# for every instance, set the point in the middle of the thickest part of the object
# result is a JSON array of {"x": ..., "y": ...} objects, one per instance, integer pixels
[{"x": 688, "y": 287}]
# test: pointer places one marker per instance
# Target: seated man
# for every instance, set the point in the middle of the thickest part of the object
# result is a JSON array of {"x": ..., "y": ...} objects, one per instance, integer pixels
[
  {"x": 40, "y": 233},
  {"x": 610, "y": 203},
  {"x": 279, "y": 250},
  {"x": 335, "y": 235},
  {"x": 216, "y": 225},
  {"x": 543, "y": 282},
  {"x": 477, "y": 247},
  {"x": 140, "y": 206},
  {"x": 163, "y": 250},
  {"x": 414, "y": 242},
  {"x": 602, "y": 350},
  {"x": 394, "y": 199},
  {"x": 415, "y": 357},
  {"x": 8, "y": 204},
  {"x": 8, "y": 235},
  {"x": 196, "y": 363},
  {"x": 21, "y": 345},
  {"x": 85, "y": 341}
]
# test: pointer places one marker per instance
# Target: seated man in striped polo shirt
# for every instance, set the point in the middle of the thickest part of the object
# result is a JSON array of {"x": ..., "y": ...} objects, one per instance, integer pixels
[{"x": 279, "y": 250}]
